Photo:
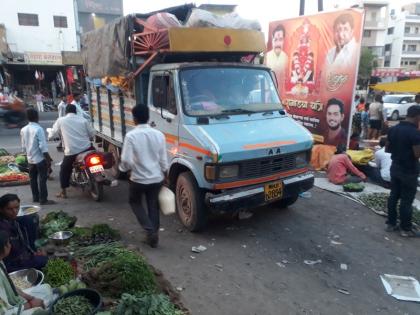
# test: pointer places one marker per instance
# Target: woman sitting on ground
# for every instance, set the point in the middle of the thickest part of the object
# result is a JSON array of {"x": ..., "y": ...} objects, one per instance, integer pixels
[
  {"x": 22, "y": 232},
  {"x": 340, "y": 168},
  {"x": 13, "y": 300}
]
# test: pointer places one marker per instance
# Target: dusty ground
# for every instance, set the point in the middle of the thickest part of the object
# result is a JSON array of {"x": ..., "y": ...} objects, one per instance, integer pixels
[{"x": 239, "y": 272}]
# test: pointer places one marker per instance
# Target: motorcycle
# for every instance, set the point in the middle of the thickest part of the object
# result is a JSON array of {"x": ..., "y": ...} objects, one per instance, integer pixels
[{"x": 89, "y": 172}]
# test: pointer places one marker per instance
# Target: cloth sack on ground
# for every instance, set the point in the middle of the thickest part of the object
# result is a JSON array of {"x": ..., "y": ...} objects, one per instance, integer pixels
[
  {"x": 360, "y": 157},
  {"x": 321, "y": 156}
]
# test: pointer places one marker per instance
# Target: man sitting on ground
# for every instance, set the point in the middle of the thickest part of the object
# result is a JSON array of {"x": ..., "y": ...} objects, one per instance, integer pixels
[
  {"x": 339, "y": 166},
  {"x": 382, "y": 168}
]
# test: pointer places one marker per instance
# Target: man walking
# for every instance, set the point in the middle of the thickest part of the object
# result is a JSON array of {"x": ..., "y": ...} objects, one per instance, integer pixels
[
  {"x": 61, "y": 108},
  {"x": 39, "y": 98},
  {"x": 144, "y": 154},
  {"x": 35, "y": 145},
  {"x": 404, "y": 145},
  {"x": 61, "y": 113},
  {"x": 76, "y": 133}
]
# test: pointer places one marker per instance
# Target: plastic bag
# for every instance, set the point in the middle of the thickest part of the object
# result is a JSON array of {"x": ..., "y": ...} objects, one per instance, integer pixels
[
  {"x": 166, "y": 201},
  {"x": 203, "y": 18}
]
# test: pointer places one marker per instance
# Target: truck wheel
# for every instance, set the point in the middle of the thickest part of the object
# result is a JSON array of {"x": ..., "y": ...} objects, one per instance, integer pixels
[
  {"x": 96, "y": 190},
  {"x": 190, "y": 202},
  {"x": 115, "y": 171},
  {"x": 284, "y": 203}
]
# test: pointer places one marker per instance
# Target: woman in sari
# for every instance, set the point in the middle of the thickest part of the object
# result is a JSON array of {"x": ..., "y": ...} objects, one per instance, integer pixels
[{"x": 13, "y": 300}]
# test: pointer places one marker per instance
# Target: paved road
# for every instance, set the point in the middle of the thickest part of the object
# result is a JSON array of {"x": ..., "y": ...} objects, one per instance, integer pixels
[{"x": 256, "y": 266}]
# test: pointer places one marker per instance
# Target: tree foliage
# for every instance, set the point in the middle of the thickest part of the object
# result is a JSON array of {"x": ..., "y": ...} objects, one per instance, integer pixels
[{"x": 366, "y": 64}]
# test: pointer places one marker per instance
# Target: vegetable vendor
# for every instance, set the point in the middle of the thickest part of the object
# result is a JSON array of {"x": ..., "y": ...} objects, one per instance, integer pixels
[
  {"x": 13, "y": 300},
  {"x": 22, "y": 232},
  {"x": 340, "y": 168}
]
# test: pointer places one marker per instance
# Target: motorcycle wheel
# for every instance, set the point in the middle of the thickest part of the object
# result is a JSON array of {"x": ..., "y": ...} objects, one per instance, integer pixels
[{"x": 96, "y": 190}]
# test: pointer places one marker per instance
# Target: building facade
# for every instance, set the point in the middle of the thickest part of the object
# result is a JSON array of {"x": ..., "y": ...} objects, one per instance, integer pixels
[
  {"x": 93, "y": 14},
  {"x": 40, "y": 43}
]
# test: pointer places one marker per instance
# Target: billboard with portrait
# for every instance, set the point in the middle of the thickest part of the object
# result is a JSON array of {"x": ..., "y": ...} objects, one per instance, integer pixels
[{"x": 315, "y": 59}]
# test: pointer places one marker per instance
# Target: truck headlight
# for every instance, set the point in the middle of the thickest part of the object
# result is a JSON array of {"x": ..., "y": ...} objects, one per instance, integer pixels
[
  {"x": 301, "y": 159},
  {"x": 228, "y": 171}
]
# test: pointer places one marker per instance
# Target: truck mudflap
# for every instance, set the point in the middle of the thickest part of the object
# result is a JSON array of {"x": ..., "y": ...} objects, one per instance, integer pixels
[{"x": 255, "y": 195}]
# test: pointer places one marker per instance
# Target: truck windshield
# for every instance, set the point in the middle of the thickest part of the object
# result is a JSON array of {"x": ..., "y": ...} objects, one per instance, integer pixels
[{"x": 228, "y": 91}]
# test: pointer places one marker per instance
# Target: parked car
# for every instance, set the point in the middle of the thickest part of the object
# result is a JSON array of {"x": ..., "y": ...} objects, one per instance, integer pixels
[{"x": 396, "y": 105}]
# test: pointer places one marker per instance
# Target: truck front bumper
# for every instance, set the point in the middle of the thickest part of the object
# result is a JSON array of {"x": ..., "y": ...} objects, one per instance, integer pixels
[{"x": 253, "y": 196}]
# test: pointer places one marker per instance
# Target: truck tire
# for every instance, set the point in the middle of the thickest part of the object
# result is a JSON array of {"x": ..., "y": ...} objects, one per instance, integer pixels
[
  {"x": 115, "y": 171},
  {"x": 286, "y": 202},
  {"x": 190, "y": 204}
]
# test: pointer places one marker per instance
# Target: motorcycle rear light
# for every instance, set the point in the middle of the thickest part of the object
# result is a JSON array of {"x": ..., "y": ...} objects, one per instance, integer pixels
[{"x": 94, "y": 160}]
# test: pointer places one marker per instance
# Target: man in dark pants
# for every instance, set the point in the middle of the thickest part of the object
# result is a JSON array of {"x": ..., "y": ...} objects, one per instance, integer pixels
[
  {"x": 404, "y": 145},
  {"x": 144, "y": 154},
  {"x": 76, "y": 133},
  {"x": 34, "y": 143}
]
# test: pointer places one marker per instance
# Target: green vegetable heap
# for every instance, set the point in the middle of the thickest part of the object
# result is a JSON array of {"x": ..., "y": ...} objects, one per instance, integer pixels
[
  {"x": 55, "y": 222},
  {"x": 72, "y": 285},
  {"x": 73, "y": 305},
  {"x": 152, "y": 304},
  {"x": 124, "y": 272},
  {"x": 58, "y": 272},
  {"x": 353, "y": 187},
  {"x": 99, "y": 233}
]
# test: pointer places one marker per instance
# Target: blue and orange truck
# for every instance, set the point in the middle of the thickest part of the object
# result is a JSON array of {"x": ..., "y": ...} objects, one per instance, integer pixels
[{"x": 230, "y": 143}]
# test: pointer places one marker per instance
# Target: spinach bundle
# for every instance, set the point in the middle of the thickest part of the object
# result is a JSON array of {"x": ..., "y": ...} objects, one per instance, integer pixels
[
  {"x": 151, "y": 304},
  {"x": 126, "y": 272}
]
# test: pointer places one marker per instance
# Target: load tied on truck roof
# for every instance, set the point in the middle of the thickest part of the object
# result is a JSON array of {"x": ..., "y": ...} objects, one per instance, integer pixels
[{"x": 132, "y": 43}]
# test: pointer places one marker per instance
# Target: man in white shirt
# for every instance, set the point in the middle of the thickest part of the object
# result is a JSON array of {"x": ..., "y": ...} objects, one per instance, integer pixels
[
  {"x": 61, "y": 113},
  {"x": 76, "y": 102},
  {"x": 34, "y": 143},
  {"x": 39, "y": 98},
  {"x": 276, "y": 58},
  {"x": 144, "y": 154},
  {"x": 62, "y": 106},
  {"x": 76, "y": 133},
  {"x": 343, "y": 55},
  {"x": 383, "y": 161}
]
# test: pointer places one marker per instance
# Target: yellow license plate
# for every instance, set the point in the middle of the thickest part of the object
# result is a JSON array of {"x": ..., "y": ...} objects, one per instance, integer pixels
[{"x": 273, "y": 191}]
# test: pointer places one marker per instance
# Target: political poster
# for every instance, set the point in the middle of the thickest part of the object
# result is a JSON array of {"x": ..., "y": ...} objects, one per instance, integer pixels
[{"x": 315, "y": 59}]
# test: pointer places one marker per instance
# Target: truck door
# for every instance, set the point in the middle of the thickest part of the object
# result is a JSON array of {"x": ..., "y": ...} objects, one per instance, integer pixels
[{"x": 163, "y": 110}]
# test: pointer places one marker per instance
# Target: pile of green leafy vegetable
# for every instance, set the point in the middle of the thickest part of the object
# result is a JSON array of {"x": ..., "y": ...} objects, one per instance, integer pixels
[
  {"x": 93, "y": 255},
  {"x": 58, "y": 272},
  {"x": 99, "y": 233},
  {"x": 55, "y": 222},
  {"x": 73, "y": 305},
  {"x": 356, "y": 187},
  {"x": 143, "y": 303},
  {"x": 379, "y": 202},
  {"x": 126, "y": 272}
]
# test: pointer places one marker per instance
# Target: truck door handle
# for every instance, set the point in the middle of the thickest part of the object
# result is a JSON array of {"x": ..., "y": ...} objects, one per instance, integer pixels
[{"x": 152, "y": 124}]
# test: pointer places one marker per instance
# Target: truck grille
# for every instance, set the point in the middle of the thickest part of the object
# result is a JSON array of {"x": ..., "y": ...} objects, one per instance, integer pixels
[{"x": 267, "y": 166}]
